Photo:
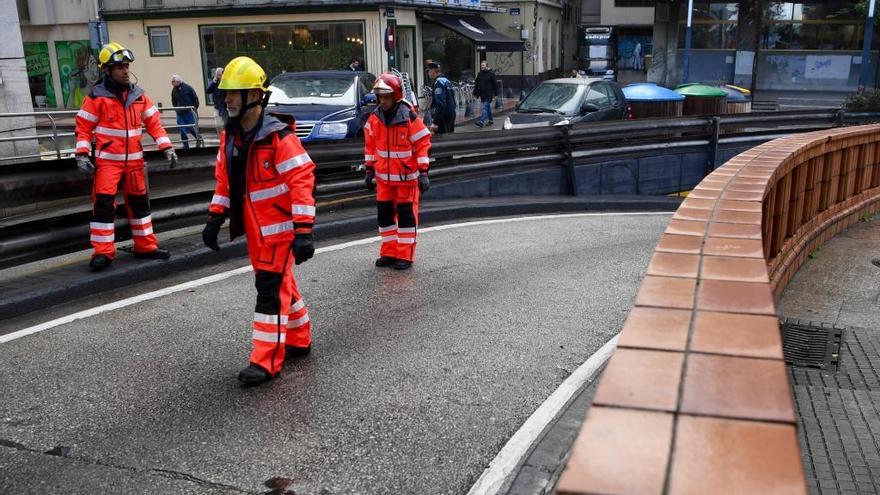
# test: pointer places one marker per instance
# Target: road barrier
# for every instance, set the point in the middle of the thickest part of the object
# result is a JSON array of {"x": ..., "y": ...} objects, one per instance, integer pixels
[
  {"x": 651, "y": 156},
  {"x": 696, "y": 398}
]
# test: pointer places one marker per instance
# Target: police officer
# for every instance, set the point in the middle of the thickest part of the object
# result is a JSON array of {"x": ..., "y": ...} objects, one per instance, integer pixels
[
  {"x": 443, "y": 101},
  {"x": 113, "y": 113},
  {"x": 264, "y": 186}
]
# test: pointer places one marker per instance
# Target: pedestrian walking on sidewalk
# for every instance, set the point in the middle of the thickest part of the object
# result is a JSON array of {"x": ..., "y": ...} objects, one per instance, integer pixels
[
  {"x": 113, "y": 114},
  {"x": 265, "y": 183},
  {"x": 219, "y": 101},
  {"x": 396, "y": 145},
  {"x": 183, "y": 95},
  {"x": 486, "y": 89},
  {"x": 443, "y": 104}
]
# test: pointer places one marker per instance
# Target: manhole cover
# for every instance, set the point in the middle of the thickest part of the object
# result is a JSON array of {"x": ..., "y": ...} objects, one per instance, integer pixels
[{"x": 811, "y": 344}]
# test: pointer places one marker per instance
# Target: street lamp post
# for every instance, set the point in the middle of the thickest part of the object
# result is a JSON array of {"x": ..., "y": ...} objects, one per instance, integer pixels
[
  {"x": 687, "y": 42},
  {"x": 866, "y": 47}
]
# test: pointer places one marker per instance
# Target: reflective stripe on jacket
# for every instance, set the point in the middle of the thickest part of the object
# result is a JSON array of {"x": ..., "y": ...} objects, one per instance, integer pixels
[
  {"x": 396, "y": 148},
  {"x": 280, "y": 181},
  {"x": 117, "y": 126}
]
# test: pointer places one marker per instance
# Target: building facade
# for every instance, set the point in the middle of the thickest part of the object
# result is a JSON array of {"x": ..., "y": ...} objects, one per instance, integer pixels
[{"x": 807, "y": 46}]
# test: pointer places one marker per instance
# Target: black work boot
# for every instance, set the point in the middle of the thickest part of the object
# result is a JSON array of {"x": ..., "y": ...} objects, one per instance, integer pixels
[
  {"x": 99, "y": 262},
  {"x": 156, "y": 254},
  {"x": 876, "y": 262},
  {"x": 291, "y": 351},
  {"x": 253, "y": 375},
  {"x": 385, "y": 261},
  {"x": 402, "y": 265}
]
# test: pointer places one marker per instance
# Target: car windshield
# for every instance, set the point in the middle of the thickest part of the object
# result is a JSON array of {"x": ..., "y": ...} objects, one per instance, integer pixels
[
  {"x": 554, "y": 97},
  {"x": 313, "y": 90}
]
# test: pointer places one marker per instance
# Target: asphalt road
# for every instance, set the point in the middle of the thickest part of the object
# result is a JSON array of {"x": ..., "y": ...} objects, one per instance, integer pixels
[{"x": 416, "y": 381}]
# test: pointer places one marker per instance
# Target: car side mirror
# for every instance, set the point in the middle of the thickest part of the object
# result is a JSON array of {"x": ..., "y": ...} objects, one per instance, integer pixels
[
  {"x": 370, "y": 99},
  {"x": 589, "y": 108}
]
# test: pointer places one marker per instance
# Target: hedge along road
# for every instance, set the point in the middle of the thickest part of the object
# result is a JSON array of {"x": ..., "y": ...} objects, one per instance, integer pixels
[{"x": 416, "y": 382}]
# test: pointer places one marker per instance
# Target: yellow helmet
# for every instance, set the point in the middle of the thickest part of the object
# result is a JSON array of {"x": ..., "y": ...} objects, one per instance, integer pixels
[
  {"x": 113, "y": 53},
  {"x": 243, "y": 73}
]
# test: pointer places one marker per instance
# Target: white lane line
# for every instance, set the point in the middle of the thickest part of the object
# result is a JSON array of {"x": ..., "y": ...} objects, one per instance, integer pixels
[
  {"x": 499, "y": 475},
  {"x": 238, "y": 271}
]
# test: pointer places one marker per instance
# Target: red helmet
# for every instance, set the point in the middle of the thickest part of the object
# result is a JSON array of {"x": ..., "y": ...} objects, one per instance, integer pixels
[{"x": 389, "y": 83}]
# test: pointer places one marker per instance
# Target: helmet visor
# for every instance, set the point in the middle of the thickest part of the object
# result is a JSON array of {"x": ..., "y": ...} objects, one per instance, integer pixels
[{"x": 123, "y": 56}]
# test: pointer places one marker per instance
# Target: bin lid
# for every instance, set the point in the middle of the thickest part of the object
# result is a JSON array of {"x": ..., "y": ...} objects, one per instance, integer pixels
[
  {"x": 734, "y": 94},
  {"x": 650, "y": 92},
  {"x": 700, "y": 90}
]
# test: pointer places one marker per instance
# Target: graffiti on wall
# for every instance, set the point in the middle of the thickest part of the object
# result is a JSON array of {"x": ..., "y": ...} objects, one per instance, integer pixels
[
  {"x": 39, "y": 73},
  {"x": 78, "y": 68}
]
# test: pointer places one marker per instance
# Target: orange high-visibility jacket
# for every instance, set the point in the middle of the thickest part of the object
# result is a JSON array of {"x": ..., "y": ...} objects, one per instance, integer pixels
[
  {"x": 117, "y": 128},
  {"x": 279, "y": 182},
  {"x": 397, "y": 151}
]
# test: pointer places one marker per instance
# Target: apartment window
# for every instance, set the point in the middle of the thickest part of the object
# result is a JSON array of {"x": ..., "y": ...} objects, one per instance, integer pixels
[
  {"x": 634, "y": 3},
  {"x": 160, "y": 41},
  {"x": 714, "y": 25}
]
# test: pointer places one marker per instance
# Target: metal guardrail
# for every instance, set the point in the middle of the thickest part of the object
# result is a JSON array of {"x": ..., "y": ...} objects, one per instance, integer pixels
[
  {"x": 455, "y": 157},
  {"x": 53, "y": 117}
]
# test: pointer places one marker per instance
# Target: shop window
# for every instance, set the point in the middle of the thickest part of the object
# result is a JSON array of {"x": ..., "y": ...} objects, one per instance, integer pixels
[
  {"x": 711, "y": 11},
  {"x": 160, "y": 41},
  {"x": 634, "y": 3},
  {"x": 285, "y": 47},
  {"x": 454, "y": 52}
]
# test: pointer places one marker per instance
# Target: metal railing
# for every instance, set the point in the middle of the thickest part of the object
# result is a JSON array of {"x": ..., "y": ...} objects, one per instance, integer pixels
[
  {"x": 179, "y": 196},
  {"x": 55, "y": 137}
]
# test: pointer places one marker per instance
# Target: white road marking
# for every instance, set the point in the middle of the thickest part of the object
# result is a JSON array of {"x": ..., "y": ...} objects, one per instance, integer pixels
[
  {"x": 247, "y": 268},
  {"x": 501, "y": 471}
]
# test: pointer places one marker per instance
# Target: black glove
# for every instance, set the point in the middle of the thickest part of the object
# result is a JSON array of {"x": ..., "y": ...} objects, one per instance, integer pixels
[
  {"x": 84, "y": 164},
  {"x": 212, "y": 231},
  {"x": 370, "y": 179},
  {"x": 424, "y": 183},
  {"x": 303, "y": 248}
]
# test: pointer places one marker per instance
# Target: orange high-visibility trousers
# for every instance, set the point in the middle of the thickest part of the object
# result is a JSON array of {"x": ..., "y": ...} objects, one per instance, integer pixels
[
  {"x": 397, "y": 207},
  {"x": 280, "y": 315},
  {"x": 137, "y": 202}
]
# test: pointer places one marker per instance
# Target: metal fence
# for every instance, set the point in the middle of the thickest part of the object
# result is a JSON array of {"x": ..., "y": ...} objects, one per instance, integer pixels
[{"x": 55, "y": 119}]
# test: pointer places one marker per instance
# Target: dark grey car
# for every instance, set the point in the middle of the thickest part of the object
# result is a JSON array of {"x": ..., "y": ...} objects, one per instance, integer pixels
[{"x": 569, "y": 101}]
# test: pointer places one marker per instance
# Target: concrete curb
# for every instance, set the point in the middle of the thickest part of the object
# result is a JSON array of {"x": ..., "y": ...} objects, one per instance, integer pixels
[{"x": 75, "y": 282}]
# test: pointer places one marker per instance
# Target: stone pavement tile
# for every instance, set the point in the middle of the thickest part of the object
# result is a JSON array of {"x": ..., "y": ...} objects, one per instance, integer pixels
[
  {"x": 666, "y": 292},
  {"x": 735, "y": 297},
  {"x": 711, "y": 455},
  {"x": 610, "y": 444}
]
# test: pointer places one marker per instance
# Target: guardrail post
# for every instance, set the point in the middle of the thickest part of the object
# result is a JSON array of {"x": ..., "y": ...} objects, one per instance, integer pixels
[
  {"x": 839, "y": 117},
  {"x": 54, "y": 137},
  {"x": 571, "y": 180},
  {"x": 713, "y": 144}
]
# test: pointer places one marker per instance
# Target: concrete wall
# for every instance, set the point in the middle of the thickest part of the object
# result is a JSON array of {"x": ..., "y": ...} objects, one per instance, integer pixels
[
  {"x": 15, "y": 94},
  {"x": 51, "y": 12},
  {"x": 650, "y": 175},
  {"x": 154, "y": 73},
  {"x": 625, "y": 16}
]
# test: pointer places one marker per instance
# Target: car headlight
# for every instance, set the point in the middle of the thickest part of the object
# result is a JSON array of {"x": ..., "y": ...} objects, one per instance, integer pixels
[
  {"x": 333, "y": 129},
  {"x": 563, "y": 122},
  {"x": 508, "y": 124}
]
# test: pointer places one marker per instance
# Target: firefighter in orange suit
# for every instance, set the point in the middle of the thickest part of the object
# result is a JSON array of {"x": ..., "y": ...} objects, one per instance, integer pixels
[
  {"x": 113, "y": 113},
  {"x": 265, "y": 181},
  {"x": 396, "y": 157}
]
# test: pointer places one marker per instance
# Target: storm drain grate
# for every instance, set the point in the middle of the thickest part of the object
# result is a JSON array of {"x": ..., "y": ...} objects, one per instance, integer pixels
[{"x": 811, "y": 344}]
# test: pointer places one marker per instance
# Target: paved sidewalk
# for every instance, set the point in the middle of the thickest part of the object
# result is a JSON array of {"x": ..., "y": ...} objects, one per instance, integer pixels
[{"x": 839, "y": 410}]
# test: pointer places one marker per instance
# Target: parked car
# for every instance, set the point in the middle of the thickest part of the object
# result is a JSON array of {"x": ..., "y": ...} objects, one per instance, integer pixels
[
  {"x": 326, "y": 104},
  {"x": 569, "y": 101}
]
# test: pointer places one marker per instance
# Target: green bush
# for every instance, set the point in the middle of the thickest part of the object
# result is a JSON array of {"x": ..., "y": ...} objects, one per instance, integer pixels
[{"x": 867, "y": 101}]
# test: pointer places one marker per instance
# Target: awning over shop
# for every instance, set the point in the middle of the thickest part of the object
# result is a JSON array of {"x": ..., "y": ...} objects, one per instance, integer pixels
[{"x": 477, "y": 29}]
